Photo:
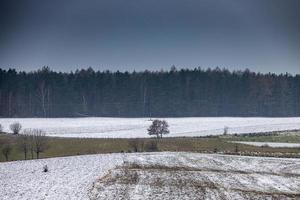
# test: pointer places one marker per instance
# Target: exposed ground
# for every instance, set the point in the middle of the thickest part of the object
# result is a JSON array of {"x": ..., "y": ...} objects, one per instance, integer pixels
[{"x": 162, "y": 175}]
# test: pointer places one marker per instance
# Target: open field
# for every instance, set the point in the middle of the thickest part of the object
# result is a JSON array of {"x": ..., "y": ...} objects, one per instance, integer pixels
[
  {"x": 162, "y": 175},
  {"x": 217, "y": 144},
  {"x": 277, "y": 136},
  {"x": 270, "y": 144},
  {"x": 137, "y": 127}
]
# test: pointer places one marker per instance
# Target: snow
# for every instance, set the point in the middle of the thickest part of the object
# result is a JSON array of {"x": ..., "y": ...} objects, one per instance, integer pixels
[
  {"x": 98, "y": 127},
  {"x": 200, "y": 176},
  {"x": 270, "y": 144},
  {"x": 104, "y": 176},
  {"x": 68, "y": 177}
]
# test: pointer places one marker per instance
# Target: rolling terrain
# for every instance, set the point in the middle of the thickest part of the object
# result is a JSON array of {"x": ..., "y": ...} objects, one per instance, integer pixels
[{"x": 162, "y": 175}]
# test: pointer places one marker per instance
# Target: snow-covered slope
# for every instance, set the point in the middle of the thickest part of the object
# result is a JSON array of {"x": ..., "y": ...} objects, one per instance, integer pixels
[
  {"x": 151, "y": 176},
  {"x": 137, "y": 127},
  {"x": 68, "y": 177}
]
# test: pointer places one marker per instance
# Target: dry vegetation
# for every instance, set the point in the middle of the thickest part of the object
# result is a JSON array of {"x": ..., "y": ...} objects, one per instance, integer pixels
[
  {"x": 76, "y": 146},
  {"x": 170, "y": 182}
]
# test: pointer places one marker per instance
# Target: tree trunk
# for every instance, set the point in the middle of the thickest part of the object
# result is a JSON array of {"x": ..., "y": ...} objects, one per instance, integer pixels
[
  {"x": 31, "y": 153},
  {"x": 30, "y": 106},
  {"x": 144, "y": 101},
  {"x": 42, "y": 96},
  {"x": 84, "y": 105},
  {"x": 48, "y": 101},
  {"x": 37, "y": 155},
  {"x": 9, "y": 104}
]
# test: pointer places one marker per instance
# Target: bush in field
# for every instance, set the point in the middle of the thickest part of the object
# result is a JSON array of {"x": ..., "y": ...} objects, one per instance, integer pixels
[
  {"x": 158, "y": 128},
  {"x": 226, "y": 129},
  {"x": 15, "y": 128},
  {"x": 134, "y": 144},
  {"x": 6, "y": 150},
  {"x": 152, "y": 146}
]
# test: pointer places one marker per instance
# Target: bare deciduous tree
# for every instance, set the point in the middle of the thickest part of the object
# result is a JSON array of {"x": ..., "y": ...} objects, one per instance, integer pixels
[
  {"x": 31, "y": 145},
  {"x": 33, "y": 141},
  {"x": 40, "y": 141},
  {"x": 24, "y": 142},
  {"x": 158, "y": 128},
  {"x": 15, "y": 127},
  {"x": 6, "y": 150}
]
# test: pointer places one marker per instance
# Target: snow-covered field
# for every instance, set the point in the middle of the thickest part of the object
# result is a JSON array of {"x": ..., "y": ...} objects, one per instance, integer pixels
[
  {"x": 137, "y": 127},
  {"x": 270, "y": 144},
  {"x": 152, "y": 176}
]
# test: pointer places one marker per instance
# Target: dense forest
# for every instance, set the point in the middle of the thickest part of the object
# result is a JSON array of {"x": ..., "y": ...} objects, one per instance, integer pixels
[{"x": 172, "y": 93}]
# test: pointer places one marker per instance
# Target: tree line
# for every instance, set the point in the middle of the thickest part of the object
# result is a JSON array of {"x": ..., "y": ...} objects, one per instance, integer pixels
[{"x": 171, "y": 93}]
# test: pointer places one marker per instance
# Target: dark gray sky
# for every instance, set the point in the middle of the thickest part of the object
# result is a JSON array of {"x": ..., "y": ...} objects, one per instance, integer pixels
[{"x": 262, "y": 35}]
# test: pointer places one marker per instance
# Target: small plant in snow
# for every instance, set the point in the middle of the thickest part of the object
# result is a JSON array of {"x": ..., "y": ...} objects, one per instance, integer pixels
[{"x": 45, "y": 168}]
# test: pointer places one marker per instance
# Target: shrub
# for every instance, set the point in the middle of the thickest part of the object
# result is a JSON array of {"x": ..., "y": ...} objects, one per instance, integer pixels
[
  {"x": 137, "y": 145},
  {"x": 6, "y": 150},
  {"x": 15, "y": 128},
  {"x": 152, "y": 146},
  {"x": 134, "y": 144}
]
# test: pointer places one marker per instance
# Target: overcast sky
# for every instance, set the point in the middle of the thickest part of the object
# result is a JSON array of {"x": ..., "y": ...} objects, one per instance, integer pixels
[{"x": 262, "y": 35}]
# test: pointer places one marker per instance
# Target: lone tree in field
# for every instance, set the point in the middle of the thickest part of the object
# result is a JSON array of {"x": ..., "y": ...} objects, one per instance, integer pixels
[
  {"x": 158, "y": 128},
  {"x": 15, "y": 128}
]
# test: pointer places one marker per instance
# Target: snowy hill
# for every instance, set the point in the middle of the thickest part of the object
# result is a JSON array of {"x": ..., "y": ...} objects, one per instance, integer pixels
[{"x": 151, "y": 176}]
